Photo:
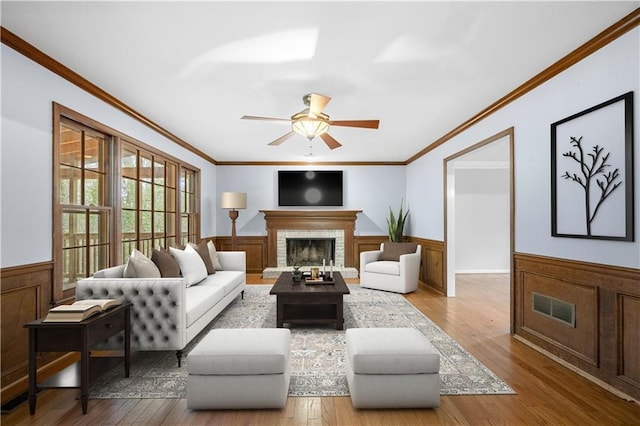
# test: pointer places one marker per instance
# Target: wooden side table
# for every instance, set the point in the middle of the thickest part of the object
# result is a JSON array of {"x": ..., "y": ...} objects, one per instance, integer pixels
[{"x": 78, "y": 337}]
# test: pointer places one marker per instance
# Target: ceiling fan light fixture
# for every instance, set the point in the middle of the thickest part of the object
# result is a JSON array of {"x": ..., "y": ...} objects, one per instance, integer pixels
[
  {"x": 310, "y": 127},
  {"x": 312, "y": 122}
]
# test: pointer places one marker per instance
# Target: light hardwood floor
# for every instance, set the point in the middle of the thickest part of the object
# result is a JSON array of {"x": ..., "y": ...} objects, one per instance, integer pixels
[{"x": 478, "y": 318}]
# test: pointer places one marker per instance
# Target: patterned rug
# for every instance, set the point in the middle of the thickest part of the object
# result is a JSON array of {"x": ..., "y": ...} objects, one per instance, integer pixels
[{"x": 318, "y": 353}]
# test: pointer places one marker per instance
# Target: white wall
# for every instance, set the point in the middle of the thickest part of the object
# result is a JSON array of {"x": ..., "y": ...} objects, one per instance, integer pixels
[
  {"x": 28, "y": 91},
  {"x": 372, "y": 189},
  {"x": 610, "y": 72},
  {"x": 26, "y": 156},
  {"x": 482, "y": 220}
]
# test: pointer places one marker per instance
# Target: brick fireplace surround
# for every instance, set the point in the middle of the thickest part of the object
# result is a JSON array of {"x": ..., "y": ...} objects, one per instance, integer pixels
[{"x": 309, "y": 223}]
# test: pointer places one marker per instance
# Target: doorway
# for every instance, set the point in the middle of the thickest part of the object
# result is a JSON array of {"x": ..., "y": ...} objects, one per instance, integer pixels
[{"x": 479, "y": 187}]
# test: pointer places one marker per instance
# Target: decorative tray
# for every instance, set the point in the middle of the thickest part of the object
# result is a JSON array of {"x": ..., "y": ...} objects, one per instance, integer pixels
[{"x": 319, "y": 280}]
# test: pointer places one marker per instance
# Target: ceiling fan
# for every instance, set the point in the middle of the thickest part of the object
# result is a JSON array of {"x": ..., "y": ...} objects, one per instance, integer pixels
[{"x": 312, "y": 122}]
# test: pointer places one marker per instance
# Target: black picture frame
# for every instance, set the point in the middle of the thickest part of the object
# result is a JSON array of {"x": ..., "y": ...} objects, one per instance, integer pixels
[{"x": 592, "y": 176}]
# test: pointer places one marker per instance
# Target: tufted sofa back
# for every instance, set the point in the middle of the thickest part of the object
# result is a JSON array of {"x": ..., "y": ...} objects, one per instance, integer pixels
[{"x": 158, "y": 319}]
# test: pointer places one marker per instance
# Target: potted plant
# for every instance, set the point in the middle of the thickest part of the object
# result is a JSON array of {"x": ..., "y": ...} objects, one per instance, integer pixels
[{"x": 396, "y": 224}]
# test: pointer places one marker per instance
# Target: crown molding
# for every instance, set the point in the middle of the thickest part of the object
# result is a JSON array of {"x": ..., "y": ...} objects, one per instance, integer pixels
[
  {"x": 610, "y": 34},
  {"x": 618, "y": 29},
  {"x": 21, "y": 46}
]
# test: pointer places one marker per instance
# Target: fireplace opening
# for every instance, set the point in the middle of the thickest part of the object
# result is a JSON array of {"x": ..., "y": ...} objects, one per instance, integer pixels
[{"x": 310, "y": 251}]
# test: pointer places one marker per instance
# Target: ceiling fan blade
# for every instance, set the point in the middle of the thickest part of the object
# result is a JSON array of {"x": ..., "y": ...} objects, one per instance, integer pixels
[
  {"x": 317, "y": 103},
  {"x": 330, "y": 141},
  {"x": 253, "y": 117},
  {"x": 367, "y": 124},
  {"x": 282, "y": 139}
]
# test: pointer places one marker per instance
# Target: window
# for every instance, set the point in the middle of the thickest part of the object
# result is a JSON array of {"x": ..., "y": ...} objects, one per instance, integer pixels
[
  {"x": 83, "y": 196},
  {"x": 149, "y": 201},
  {"x": 109, "y": 188},
  {"x": 189, "y": 216}
]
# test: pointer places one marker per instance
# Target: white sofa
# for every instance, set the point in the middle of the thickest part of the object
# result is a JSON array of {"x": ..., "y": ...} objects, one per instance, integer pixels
[
  {"x": 395, "y": 267},
  {"x": 166, "y": 314}
]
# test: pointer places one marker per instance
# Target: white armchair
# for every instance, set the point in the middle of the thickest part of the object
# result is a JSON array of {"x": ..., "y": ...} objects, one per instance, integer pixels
[{"x": 395, "y": 267}]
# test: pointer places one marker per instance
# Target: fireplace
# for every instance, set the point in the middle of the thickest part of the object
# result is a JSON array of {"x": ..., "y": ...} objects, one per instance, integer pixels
[
  {"x": 310, "y": 251},
  {"x": 336, "y": 225},
  {"x": 311, "y": 246}
]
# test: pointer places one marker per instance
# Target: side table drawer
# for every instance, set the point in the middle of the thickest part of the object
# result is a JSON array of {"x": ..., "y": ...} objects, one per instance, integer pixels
[{"x": 104, "y": 328}]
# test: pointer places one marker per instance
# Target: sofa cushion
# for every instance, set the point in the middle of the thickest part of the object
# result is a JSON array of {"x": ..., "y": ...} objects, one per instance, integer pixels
[
  {"x": 391, "y": 351},
  {"x": 166, "y": 263},
  {"x": 392, "y": 251},
  {"x": 227, "y": 280},
  {"x": 383, "y": 267},
  {"x": 191, "y": 265},
  {"x": 214, "y": 256},
  {"x": 200, "y": 299},
  {"x": 140, "y": 266},
  {"x": 203, "y": 250}
]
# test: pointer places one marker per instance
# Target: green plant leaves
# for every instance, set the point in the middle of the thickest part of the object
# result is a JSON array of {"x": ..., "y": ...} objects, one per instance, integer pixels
[{"x": 396, "y": 225}]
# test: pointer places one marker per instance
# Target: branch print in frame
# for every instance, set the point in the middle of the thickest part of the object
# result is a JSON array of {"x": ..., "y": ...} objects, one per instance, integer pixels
[{"x": 592, "y": 172}]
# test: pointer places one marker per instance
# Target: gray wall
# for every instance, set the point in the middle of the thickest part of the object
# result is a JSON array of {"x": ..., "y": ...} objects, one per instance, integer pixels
[
  {"x": 609, "y": 72},
  {"x": 28, "y": 91},
  {"x": 372, "y": 189}
]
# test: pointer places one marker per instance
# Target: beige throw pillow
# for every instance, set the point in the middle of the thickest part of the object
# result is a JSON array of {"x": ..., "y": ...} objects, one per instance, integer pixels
[
  {"x": 140, "y": 266},
  {"x": 214, "y": 256}
]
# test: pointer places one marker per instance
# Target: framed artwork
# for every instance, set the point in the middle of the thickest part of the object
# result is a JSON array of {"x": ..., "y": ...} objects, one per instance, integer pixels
[{"x": 592, "y": 172}]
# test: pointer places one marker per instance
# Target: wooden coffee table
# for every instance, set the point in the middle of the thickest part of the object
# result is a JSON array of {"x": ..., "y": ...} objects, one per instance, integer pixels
[{"x": 306, "y": 303}]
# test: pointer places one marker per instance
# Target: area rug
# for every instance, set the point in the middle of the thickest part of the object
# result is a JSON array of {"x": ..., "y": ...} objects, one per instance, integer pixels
[{"x": 318, "y": 353}]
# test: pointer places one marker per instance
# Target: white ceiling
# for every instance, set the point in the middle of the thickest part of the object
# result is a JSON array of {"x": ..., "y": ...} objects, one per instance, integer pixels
[{"x": 422, "y": 68}]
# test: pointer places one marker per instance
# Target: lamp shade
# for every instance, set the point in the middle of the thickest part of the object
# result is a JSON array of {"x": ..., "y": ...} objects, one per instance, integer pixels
[
  {"x": 309, "y": 125},
  {"x": 233, "y": 200},
  {"x": 310, "y": 128}
]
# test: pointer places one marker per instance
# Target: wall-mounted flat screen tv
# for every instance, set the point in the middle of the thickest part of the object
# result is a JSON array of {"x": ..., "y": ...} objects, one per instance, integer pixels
[{"x": 319, "y": 188}]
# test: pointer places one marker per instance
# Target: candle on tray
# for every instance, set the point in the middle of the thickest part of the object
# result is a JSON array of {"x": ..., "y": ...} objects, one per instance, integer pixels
[{"x": 324, "y": 271}]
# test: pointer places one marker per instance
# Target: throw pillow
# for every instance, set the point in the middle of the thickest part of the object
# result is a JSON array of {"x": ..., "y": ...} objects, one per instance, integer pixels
[
  {"x": 203, "y": 251},
  {"x": 167, "y": 265},
  {"x": 393, "y": 251},
  {"x": 191, "y": 265},
  {"x": 140, "y": 266},
  {"x": 214, "y": 256}
]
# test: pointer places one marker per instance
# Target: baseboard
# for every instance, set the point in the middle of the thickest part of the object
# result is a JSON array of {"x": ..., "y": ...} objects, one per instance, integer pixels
[
  {"x": 482, "y": 271},
  {"x": 16, "y": 389},
  {"x": 578, "y": 371}
]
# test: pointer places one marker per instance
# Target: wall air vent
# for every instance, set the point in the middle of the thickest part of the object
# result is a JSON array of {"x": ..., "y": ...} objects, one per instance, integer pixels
[{"x": 555, "y": 308}]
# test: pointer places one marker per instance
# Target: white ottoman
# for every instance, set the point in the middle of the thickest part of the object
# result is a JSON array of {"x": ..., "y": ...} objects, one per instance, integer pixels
[
  {"x": 392, "y": 368},
  {"x": 239, "y": 369}
]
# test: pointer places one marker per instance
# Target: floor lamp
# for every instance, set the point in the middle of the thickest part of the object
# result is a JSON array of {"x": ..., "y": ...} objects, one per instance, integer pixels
[{"x": 233, "y": 201}]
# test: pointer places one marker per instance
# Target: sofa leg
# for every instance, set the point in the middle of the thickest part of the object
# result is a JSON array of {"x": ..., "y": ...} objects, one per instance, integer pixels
[
  {"x": 179, "y": 356},
  {"x": 242, "y": 295}
]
